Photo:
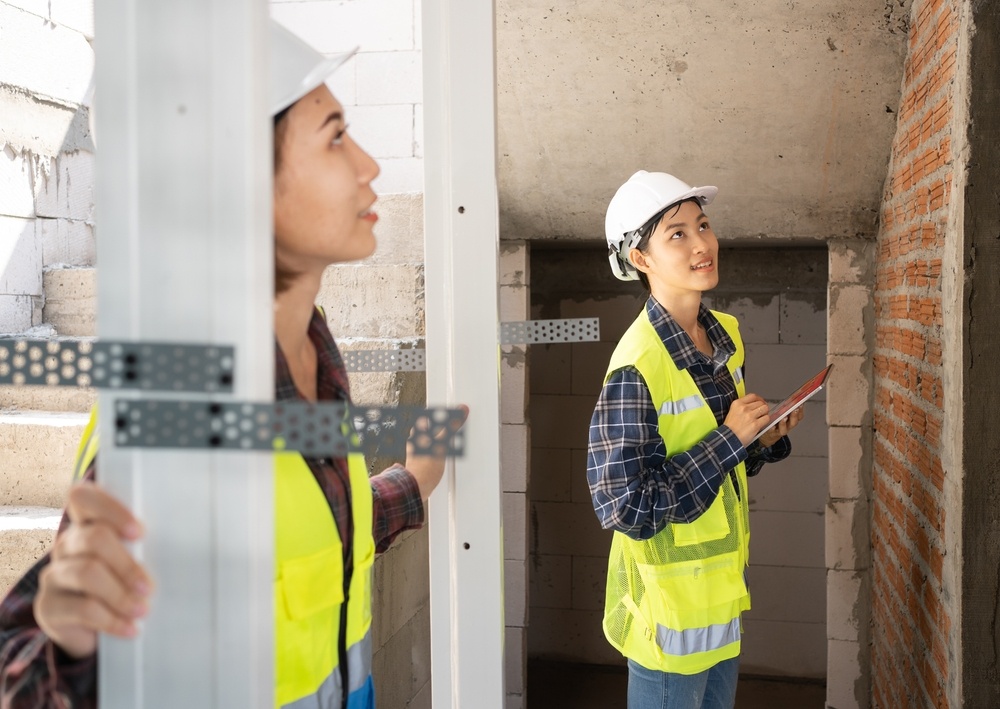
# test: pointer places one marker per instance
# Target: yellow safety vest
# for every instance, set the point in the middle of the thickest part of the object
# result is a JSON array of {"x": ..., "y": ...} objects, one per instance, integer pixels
[
  {"x": 309, "y": 603},
  {"x": 674, "y": 601}
]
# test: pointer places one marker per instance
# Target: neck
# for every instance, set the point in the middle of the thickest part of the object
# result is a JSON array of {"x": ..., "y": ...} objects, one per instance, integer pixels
[
  {"x": 682, "y": 306},
  {"x": 293, "y": 309}
]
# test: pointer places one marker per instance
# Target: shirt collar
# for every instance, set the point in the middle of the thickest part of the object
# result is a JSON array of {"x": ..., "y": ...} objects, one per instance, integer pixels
[{"x": 680, "y": 345}]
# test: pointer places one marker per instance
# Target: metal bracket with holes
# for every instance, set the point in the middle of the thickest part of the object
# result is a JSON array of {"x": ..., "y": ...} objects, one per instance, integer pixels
[
  {"x": 147, "y": 366},
  {"x": 384, "y": 360},
  {"x": 537, "y": 331},
  {"x": 315, "y": 430}
]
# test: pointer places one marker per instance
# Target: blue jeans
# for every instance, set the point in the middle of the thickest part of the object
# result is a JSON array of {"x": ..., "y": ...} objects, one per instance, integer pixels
[{"x": 715, "y": 688}]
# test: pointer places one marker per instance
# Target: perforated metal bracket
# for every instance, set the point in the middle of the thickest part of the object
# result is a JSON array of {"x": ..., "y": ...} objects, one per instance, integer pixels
[
  {"x": 385, "y": 360},
  {"x": 315, "y": 430},
  {"x": 148, "y": 366},
  {"x": 537, "y": 331}
]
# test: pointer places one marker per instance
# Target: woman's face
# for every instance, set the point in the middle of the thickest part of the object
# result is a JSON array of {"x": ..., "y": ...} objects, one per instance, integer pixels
[
  {"x": 682, "y": 254},
  {"x": 322, "y": 188}
]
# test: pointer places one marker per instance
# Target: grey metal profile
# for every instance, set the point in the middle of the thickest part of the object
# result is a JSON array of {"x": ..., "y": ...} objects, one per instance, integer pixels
[
  {"x": 529, "y": 332},
  {"x": 147, "y": 366},
  {"x": 397, "y": 360},
  {"x": 315, "y": 430}
]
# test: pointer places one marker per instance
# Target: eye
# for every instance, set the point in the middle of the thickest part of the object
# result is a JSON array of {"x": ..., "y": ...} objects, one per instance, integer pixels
[
  {"x": 677, "y": 235},
  {"x": 705, "y": 226},
  {"x": 338, "y": 137}
]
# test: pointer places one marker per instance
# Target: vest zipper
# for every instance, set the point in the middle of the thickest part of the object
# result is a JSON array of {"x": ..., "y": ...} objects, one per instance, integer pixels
[{"x": 348, "y": 573}]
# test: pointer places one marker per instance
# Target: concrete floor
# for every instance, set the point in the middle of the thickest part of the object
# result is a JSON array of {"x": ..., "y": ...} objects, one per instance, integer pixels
[{"x": 554, "y": 685}]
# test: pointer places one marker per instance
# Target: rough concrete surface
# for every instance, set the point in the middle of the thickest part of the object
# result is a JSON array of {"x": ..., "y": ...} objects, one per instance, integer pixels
[
  {"x": 39, "y": 449},
  {"x": 789, "y": 107}
]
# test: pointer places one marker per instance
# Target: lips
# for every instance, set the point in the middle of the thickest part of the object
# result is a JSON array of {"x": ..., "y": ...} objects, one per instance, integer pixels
[
  {"x": 368, "y": 215},
  {"x": 706, "y": 265}
]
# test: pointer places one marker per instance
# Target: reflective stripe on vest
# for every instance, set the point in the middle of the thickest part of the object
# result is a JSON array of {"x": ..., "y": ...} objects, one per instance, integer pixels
[
  {"x": 693, "y": 640},
  {"x": 674, "y": 408},
  {"x": 674, "y": 601},
  {"x": 361, "y": 691},
  {"x": 309, "y": 583}
]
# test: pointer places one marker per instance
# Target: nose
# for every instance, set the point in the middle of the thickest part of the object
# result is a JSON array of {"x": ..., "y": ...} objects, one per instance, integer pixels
[{"x": 364, "y": 164}]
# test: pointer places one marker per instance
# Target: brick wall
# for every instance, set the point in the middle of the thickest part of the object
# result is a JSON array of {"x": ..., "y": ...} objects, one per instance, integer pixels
[{"x": 912, "y": 607}]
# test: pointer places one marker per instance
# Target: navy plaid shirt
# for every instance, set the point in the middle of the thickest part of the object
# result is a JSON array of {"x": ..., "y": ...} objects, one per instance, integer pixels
[
  {"x": 635, "y": 487},
  {"x": 34, "y": 673}
]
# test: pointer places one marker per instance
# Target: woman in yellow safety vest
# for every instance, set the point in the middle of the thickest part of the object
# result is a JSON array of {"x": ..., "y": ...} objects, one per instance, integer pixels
[
  {"x": 672, "y": 442},
  {"x": 330, "y": 517}
]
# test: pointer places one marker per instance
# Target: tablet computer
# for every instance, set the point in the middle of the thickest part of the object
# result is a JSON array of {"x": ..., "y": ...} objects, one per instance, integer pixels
[{"x": 800, "y": 396}]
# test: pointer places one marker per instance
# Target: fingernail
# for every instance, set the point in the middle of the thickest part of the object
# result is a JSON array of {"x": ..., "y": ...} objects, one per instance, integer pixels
[
  {"x": 139, "y": 610},
  {"x": 129, "y": 630},
  {"x": 141, "y": 587},
  {"x": 132, "y": 530}
]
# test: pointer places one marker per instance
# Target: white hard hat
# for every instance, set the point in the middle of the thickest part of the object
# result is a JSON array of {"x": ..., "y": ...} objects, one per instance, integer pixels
[
  {"x": 641, "y": 198},
  {"x": 297, "y": 68}
]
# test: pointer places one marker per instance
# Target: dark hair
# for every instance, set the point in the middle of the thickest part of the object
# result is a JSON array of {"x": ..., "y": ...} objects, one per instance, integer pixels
[
  {"x": 283, "y": 277},
  {"x": 647, "y": 229}
]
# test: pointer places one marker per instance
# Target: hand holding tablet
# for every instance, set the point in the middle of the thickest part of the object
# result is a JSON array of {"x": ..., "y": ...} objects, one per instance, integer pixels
[{"x": 794, "y": 401}]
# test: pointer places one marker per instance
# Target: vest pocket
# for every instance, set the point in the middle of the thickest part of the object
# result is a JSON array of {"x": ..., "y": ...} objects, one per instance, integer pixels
[
  {"x": 712, "y": 525},
  {"x": 312, "y": 583}
]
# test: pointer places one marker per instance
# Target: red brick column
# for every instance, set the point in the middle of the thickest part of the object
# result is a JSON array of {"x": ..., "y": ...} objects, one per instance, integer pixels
[{"x": 911, "y": 614}]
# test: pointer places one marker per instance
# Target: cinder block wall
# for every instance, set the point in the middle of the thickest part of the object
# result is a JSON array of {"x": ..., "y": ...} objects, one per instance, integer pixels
[
  {"x": 46, "y": 151},
  {"x": 780, "y": 298},
  {"x": 914, "y": 622}
]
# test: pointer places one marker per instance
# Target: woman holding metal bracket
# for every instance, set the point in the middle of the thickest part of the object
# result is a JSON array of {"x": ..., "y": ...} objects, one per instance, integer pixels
[
  {"x": 330, "y": 517},
  {"x": 673, "y": 439}
]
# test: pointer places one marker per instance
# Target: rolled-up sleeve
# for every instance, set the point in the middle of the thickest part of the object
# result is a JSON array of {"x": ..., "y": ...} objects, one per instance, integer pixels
[{"x": 396, "y": 505}]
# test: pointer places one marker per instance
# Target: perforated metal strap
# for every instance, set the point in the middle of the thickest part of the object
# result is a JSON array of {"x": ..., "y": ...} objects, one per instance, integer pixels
[
  {"x": 316, "y": 430},
  {"x": 148, "y": 366},
  {"x": 385, "y": 360},
  {"x": 537, "y": 331}
]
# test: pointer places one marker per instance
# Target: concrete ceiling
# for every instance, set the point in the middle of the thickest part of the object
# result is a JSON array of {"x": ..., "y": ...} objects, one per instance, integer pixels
[{"x": 788, "y": 106}]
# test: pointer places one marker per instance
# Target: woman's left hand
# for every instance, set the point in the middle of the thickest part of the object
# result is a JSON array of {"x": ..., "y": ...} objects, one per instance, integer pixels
[
  {"x": 784, "y": 426},
  {"x": 428, "y": 469}
]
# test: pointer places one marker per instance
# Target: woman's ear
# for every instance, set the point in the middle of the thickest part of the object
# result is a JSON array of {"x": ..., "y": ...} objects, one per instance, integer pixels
[{"x": 638, "y": 260}]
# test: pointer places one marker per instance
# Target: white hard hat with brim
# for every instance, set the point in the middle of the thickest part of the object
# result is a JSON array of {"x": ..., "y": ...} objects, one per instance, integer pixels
[
  {"x": 636, "y": 202},
  {"x": 297, "y": 68}
]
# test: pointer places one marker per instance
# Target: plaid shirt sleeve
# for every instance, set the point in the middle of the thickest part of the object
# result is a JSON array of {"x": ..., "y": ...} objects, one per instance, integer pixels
[
  {"x": 34, "y": 673},
  {"x": 758, "y": 455},
  {"x": 396, "y": 505},
  {"x": 636, "y": 489}
]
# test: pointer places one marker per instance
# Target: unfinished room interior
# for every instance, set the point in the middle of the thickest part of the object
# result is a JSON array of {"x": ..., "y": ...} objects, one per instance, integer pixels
[{"x": 856, "y": 148}]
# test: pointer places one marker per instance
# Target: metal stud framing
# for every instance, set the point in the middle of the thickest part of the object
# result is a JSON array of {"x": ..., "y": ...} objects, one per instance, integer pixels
[
  {"x": 461, "y": 274},
  {"x": 185, "y": 253}
]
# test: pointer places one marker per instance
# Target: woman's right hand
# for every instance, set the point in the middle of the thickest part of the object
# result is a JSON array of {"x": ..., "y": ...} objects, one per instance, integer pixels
[
  {"x": 92, "y": 584},
  {"x": 747, "y": 415}
]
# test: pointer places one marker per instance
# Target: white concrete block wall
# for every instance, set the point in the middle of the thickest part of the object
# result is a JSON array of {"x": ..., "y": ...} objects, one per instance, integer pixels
[
  {"x": 515, "y": 449},
  {"x": 46, "y": 163},
  {"x": 785, "y": 336},
  {"x": 850, "y": 327},
  {"x": 382, "y": 87}
]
